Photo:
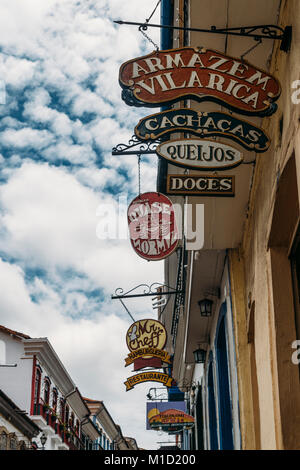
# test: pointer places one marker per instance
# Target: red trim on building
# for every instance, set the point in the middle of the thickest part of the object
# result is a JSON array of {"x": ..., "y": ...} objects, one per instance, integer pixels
[{"x": 33, "y": 384}]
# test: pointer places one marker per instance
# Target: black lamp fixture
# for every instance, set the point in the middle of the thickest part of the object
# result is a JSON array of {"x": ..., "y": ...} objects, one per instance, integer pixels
[
  {"x": 199, "y": 356},
  {"x": 205, "y": 306},
  {"x": 43, "y": 440}
]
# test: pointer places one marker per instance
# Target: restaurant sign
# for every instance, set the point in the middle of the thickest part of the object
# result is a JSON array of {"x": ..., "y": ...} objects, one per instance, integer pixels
[
  {"x": 168, "y": 416},
  {"x": 164, "y": 379},
  {"x": 203, "y": 124},
  {"x": 152, "y": 226},
  {"x": 165, "y": 77},
  {"x": 145, "y": 340},
  {"x": 200, "y": 154},
  {"x": 146, "y": 333},
  {"x": 200, "y": 185}
]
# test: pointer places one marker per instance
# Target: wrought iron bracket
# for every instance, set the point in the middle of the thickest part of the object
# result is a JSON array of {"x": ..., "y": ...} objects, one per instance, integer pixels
[
  {"x": 256, "y": 32},
  {"x": 136, "y": 147},
  {"x": 147, "y": 291}
]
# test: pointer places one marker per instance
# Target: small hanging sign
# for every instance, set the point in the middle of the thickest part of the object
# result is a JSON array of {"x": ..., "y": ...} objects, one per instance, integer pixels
[
  {"x": 145, "y": 340},
  {"x": 147, "y": 333},
  {"x": 203, "y": 124},
  {"x": 200, "y": 154},
  {"x": 165, "y": 77},
  {"x": 164, "y": 379},
  {"x": 164, "y": 356},
  {"x": 201, "y": 185},
  {"x": 152, "y": 226}
]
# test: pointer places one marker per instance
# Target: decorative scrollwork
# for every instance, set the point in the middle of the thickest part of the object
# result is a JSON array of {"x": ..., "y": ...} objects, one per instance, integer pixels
[
  {"x": 143, "y": 147},
  {"x": 147, "y": 290}
]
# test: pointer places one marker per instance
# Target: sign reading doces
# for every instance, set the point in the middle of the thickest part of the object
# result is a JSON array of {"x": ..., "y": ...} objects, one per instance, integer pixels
[
  {"x": 201, "y": 185},
  {"x": 201, "y": 74}
]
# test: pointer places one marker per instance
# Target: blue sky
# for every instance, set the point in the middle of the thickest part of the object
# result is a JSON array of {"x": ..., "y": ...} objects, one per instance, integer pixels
[{"x": 59, "y": 60}]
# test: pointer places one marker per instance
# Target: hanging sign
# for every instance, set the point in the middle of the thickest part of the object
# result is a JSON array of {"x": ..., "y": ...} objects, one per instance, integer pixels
[
  {"x": 143, "y": 352},
  {"x": 146, "y": 333},
  {"x": 164, "y": 379},
  {"x": 145, "y": 340},
  {"x": 200, "y": 154},
  {"x": 152, "y": 226},
  {"x": 165, "y": 77},
  {"x": 203, "y": 124},
  {"x": 200, "y": 185},
  {"x": 170, "y": 420}
]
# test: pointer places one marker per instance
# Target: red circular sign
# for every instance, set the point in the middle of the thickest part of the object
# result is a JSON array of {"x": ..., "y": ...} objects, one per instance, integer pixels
[{"x": 152, "y": 226}]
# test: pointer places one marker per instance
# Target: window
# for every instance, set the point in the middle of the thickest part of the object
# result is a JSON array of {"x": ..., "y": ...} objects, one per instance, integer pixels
[
  {"x": 67, "y": 414},
  {"x": 54, "y": 400},
  {"x": 46, "y": 391},
  {"x": 2, "y": 352},
  {"x": 62, "y": 410},
  {"x": 77, "y": 427},
  {"x": 72, "y": 420},
  {"x": 225, "y": 415},
  {"x": 37, "y": 386},
  {"x": 3, "y": 441},
  {"x": 13, "y": 443},
  {"x": 213, "y": 437}
]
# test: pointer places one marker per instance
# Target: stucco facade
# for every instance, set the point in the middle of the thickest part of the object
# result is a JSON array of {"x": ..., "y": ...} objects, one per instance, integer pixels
[{"x": 249, "y": 264}]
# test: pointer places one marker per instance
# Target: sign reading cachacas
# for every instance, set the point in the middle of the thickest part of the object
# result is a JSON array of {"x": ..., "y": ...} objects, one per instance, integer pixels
[
  {"x": 152, "y": 226},
  {"x": 200, "y": 74},
  {"x": 203, "y": 124}
]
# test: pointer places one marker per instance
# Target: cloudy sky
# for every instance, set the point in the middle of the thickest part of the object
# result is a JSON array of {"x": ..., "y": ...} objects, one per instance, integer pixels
[{"x": 60, "y": 185}]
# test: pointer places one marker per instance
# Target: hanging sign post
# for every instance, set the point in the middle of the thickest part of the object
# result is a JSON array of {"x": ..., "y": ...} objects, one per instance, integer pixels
[
  {"x": 165, "y": 77},
  {"x": 152, "y": 226},
  {"x": 200, "y": 154},
  {"x": 203, "y": 125}
]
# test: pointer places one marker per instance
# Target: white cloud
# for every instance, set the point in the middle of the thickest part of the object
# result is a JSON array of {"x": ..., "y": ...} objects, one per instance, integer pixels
[{"x": 60, "y": 59}]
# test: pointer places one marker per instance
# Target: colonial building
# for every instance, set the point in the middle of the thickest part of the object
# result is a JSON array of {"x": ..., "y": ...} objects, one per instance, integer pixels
[
  {"x": 42, "y": 388},
  {"x": 17, "y": 430},
  {"x": 239, "y": 315},
  {"x": 111, "y": 437}
]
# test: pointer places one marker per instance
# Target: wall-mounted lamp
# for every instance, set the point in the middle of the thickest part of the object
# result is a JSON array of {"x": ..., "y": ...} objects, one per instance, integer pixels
[
  {"x": 43, "y": 440},
  {"x": 199, "y": 356},
  {"x": 205, "y": 306}
]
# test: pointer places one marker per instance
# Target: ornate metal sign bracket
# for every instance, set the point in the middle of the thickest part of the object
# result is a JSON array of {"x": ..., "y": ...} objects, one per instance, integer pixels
[
  {"x": 148, "y": 291},
  {"x": 256, "y": 32},
  {"x": 142, "y": 147}
]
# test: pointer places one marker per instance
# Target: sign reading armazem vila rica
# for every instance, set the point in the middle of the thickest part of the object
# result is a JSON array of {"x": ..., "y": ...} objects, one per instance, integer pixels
[
  {"x": 201, "y": 74},
  {"x": 152, "y": 226},
  {"x": 200, "y": 154}
]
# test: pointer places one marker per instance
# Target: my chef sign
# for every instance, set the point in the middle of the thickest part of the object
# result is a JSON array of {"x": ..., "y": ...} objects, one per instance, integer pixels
[
  {"x": 201, "y": 74},
  {"x": 152, "y": 226},
  {"x": 146, "y": 339}
]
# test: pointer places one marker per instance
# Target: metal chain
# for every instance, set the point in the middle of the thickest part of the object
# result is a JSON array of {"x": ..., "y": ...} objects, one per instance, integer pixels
[
  {"x": 139, "y": 173},
  {"x": 144, "y": 28}
]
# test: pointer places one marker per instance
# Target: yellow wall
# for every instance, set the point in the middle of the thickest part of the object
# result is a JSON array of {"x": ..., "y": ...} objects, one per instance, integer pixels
[{"x": 266, "y": 273}]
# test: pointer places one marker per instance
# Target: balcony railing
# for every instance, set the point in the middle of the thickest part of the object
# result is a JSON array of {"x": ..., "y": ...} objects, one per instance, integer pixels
[{"x": 66, "y": 433}]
